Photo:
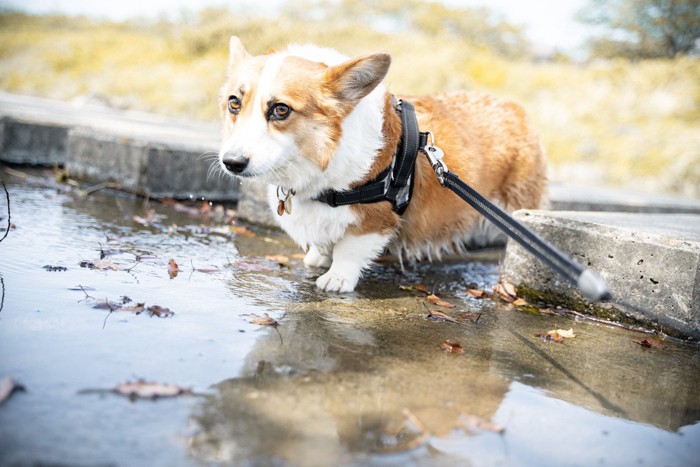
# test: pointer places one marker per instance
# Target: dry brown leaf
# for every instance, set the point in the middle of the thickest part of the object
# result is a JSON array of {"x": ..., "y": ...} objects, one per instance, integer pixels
[
  {"x": 264, "y": 320},
  {"x": 649, "y": 343},
  {"x": 136, "y": 308},
  {"x": 550, "y": 337},
  {"x": 435, "y": 300},
  {"x": 476, "y": 293},
  {"x": 568, "y": 334},
  {"x": 9, "y": 386},
  {"x": 483, "y": 424},
  {"x": 452, "y": 347},
  {"x": 173, "y": 268},
  {"x": 242, "y": 230},
  {"x": 143, "y": 390},
  {"x": 520, "y": 302},
  {"x": 298, "y": 256},
  {"x": 440, "y": 315},
  {"x": 102, "y": 264},
  {"x": 160, "y": 312},
  {"x": 506, "y": 291},
  {"x": 421, "y": 288},
  {"x": 278, "y": 258},
  {"x": 509, "y": 288}
]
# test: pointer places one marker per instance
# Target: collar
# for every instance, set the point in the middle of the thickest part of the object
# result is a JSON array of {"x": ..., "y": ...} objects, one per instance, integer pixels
[{"x": 395, "y": 184}]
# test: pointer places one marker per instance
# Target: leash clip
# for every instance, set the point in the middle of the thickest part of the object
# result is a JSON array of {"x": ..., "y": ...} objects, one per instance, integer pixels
[{"x": 435, "y": 155}]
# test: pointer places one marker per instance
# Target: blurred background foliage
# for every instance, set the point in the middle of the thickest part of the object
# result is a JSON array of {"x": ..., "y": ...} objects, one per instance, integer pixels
[{"x": 626, "y": 115}]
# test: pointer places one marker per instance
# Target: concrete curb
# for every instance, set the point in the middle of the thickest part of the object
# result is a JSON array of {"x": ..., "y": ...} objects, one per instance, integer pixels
[
  {"x": 145, "y": 153},
  {"x": 651, "y": 263}
]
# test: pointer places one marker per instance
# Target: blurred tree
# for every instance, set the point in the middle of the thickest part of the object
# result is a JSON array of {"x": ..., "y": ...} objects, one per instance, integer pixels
[{"x": 639, "y": 29}]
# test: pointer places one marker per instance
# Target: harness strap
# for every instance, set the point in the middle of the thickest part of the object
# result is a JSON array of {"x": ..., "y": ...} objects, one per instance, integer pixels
[
  {"x": 368, "y": 193},
  {"x": 395, "y": 184}
]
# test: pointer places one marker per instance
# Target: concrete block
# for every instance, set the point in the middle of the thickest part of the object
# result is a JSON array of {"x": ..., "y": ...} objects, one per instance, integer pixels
[
  {"x": 580, "y": 198},
  {"x": 650, "y": 261},
  {"x": 160, "y": 170},
  {"x": 252, "y": 204},
  {"x": 178, "y": 171},
  {"x": 101, "y": 157},
  {"x": 34, "y": 143}
]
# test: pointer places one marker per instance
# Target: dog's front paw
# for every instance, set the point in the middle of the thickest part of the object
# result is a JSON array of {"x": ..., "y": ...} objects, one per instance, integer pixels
[
  {"x": 334, "y": 282},
  {"x": 315, "y": 259}
]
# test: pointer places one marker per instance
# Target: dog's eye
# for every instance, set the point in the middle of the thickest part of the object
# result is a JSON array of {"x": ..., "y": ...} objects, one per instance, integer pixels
[
  {"x": 234, "y": 104},
  {"x": 279, "y": 112}
]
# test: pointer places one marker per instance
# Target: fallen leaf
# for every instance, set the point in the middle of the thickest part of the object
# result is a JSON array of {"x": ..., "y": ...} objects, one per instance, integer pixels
[
  {"x": 143, "y": 390},
  {"x": 649, "y": 343},
  {"x": 264, "y": 320},
  {"x": 298, "y": 256},
  {"x": 483, "y": 424},
  {"x": 520, "y": 302},
  {"x": 160, "y": 312},
  {"x": 440, "y": 315},
  {"x": 470, "y": 316},
  {"x": 562, "y": 333},
  {"x": 173, "y": 268},
  {"x": 101, "y": 264},
  {"x": 9, "y": 386},
  {"x": 550, "y": 337},
  {"x": 136, "y": 308},
  {"x": 452, "y": 347},
  {"x": 147, "y": 219},
  {"x": 435, "y": 300},
  {"x": 476, "y": 293},
  {"x": 421, "y": 288},
  {"x": 278, "y": 258},
  {"x": 506, "y": 291},
  {"x": 242, "y": 230}
]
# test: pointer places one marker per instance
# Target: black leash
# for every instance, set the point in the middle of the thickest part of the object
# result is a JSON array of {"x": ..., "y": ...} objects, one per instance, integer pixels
[{"x": 592, "y": 286}]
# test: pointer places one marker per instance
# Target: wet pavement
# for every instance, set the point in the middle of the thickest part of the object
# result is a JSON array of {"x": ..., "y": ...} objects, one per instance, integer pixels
[{"x": 359, "y": 379}]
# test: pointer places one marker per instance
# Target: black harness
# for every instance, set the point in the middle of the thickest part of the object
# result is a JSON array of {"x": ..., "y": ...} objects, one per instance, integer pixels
[{"x": 395, "y": 184}]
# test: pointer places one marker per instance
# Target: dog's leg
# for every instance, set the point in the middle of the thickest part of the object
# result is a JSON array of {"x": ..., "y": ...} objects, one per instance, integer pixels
[
  {"x": 351, "y": 255},
  {"x": 318, "y": 257}
]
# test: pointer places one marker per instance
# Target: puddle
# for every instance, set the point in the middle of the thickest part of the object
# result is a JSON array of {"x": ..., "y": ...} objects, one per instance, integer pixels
[{"x": 355, "y": 380}]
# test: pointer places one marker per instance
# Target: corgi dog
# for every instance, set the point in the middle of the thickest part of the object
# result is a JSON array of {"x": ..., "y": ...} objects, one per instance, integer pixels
[{"x": 307, "y": 119}]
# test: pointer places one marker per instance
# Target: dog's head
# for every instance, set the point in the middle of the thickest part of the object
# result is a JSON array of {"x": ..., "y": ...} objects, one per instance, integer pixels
[{"x": 283, "y": 112}]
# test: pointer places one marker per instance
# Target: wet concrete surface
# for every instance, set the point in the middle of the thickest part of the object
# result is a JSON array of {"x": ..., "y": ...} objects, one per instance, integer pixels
[{"x": 359, "y": 379}]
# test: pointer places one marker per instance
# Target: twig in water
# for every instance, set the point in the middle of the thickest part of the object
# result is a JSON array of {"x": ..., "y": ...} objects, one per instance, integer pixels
[
  {"x": 2, "y": 298},
  {"x": 9, "y": 214},
  {"x": 100, "y": 186},
  {"x": 111, "y": 309},
  {"x": 87, "y": 297}
]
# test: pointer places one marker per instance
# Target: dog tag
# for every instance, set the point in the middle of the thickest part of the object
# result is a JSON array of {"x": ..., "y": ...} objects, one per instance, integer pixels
[
  {"x": 280, "y": 208},
  {"x": 288, "y": 204}
]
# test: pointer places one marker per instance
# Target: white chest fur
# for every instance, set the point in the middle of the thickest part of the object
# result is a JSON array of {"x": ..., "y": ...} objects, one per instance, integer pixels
[{"x": 312, "y": 222}]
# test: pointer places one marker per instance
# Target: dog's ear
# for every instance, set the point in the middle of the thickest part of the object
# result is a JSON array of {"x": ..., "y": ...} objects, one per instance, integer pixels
[
  {"x": 236, "y": 51},
  {"x": 355, "y": 78}
]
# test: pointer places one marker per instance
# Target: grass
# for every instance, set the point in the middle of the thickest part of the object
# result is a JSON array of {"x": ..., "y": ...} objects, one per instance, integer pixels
[{"x": 634, "y": 124}]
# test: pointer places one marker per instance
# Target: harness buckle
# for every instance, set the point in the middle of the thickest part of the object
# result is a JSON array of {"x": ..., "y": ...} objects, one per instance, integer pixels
[{"x": 435, "y": 155}]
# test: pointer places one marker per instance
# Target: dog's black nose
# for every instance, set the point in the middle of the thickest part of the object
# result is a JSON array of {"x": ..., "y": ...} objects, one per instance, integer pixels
[{"x": 235, "y": 163}]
